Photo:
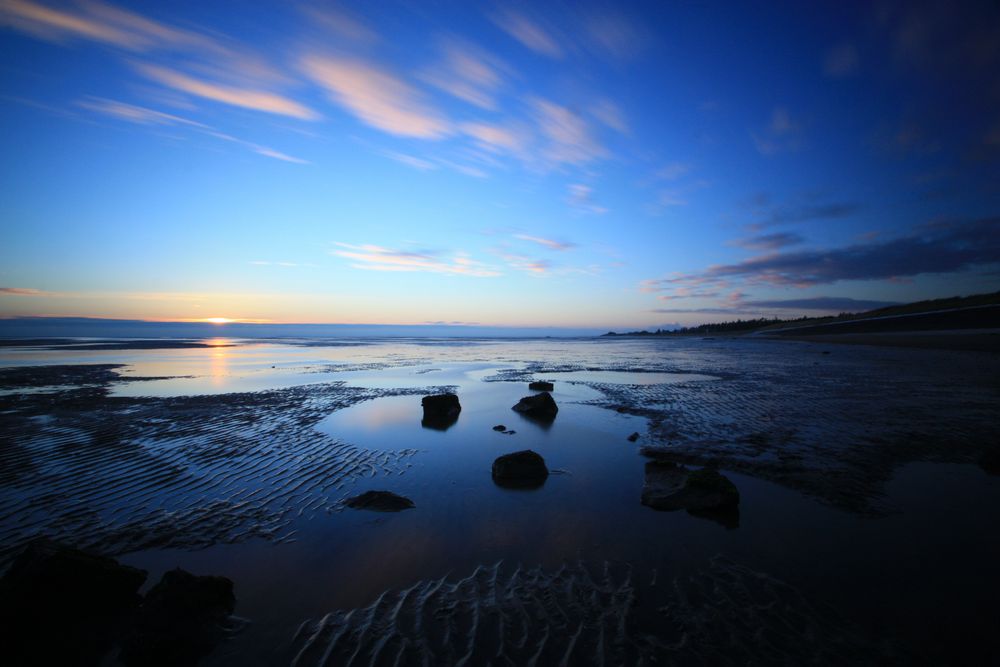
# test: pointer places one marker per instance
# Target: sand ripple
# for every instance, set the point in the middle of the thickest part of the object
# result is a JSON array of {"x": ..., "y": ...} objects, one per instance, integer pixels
[
  {"x": 832, "y": 423},
  {"x": 587, "y": 615},
  {"x": 118, "y": 474}
]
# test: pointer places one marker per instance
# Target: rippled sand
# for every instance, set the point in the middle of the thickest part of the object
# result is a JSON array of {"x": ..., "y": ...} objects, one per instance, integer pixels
[{"x": 235, "y": 459}]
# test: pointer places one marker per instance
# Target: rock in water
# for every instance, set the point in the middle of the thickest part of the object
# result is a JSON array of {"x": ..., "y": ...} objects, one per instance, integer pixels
[
  {"x": 181, "y": 620},
  {"x": 541, "y": 385},
  {"x": 635, "y": 436},
  {"x": 500, "y": 427},
  {"x": 63, "y": 606},
  {"x": 538, "y": 406},
  {"x": 670, "y": 487},
  {"x": 524, "y": 469},
  {"x": 379, "y": 501},
  {"x": 440, "y": 411}
]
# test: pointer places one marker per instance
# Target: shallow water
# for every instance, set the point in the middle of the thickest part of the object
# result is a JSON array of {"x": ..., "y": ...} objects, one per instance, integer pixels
[{"x": 862, "y": 508}]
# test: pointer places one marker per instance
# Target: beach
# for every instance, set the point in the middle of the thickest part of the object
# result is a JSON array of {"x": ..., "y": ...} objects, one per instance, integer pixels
[{"x": 862, "y": 534}]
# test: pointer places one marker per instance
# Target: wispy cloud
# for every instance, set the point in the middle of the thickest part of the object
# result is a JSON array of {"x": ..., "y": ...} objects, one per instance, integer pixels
[
  {"x": 610, "y": 114},
  {"x": 144, "y": 116},
  {"x": 467, "y": 72},
  {"x": 568, "y": 137},
  {"x": 376, "y": 96},
  {"x": 696, "y": 311},
  {"x": 270, "y": 152},
  {"x": 673, "y": 189},
  {"x": 519, "y": 262},
  {"x": 774, "y": 241},
  {"x": 528, "y": 32},
  {"x": 134, "y": 113},
  {"x": 939, "y": 248},
  {"x": 614, "y": 34},
  {"x": 474, "y": 172},
  {"x": 410, "y": 160},
  {"x": 246, "y": 98},
  {"x": 99, "y": 22},
  {"x": 548, "y": 243},
  {"x": 581, "y": 197},
  {"x": 378, "y": 258},
  {"x": 342, "y": 23},
  {"x": 806, "y": 210},
  {"x": 498, "y": 138},
  {"x": 257, "y": 148},
  {"x": 686, "y": 293},
  {"x": 23, "y": 291}
]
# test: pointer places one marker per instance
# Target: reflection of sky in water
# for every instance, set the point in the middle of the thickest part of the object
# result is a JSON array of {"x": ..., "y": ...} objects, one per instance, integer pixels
[
  {"x": 231, "y": 365},
  {"x": 624, "y": 377}
]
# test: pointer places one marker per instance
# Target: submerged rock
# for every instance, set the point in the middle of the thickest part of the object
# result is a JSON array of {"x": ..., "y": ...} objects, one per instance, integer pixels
[
  {"x": 181, "y": 620},
  {"x": 635, "y": 436},
  {"x": 500, "y": 427},
  {"x": 440, "y": 411},
  {"x": 538, "y": 406},
  {"x": 524, "y": 469},
  {"x": 670, "y": 487},
  {"x": 380, "y": 501},
  {"x": 53, "y": 588},
  {"x": 541, "y": 385}
]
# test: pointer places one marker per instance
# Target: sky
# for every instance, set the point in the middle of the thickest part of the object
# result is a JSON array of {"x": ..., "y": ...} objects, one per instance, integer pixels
[{"x": 563, "y": 164}]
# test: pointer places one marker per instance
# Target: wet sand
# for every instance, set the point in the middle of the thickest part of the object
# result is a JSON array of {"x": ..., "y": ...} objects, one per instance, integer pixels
[
  {"x": 861, "y": 523},
  {"x": 973, "y": 340}
]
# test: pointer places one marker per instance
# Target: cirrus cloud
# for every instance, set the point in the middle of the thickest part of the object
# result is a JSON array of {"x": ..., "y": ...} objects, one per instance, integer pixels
[
  {"x": 257, "y": 100},
  {"x": 376, "y": 96},
  {"x": 377, "y": 258},
  {"x": 529, "y": 33}
]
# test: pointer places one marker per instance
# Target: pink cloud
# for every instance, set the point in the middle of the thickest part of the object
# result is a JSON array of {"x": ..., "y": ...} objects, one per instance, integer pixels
[
  {"x": 529, "y": 33},
  {"x": 246, "y": 98},
  {"x": 548, "y": 243},
  {"x": 468, "y": 73},
  {"x": 569, "y": 137},
  {"x": 376, "y": 97},
  {"x": 377, "y": 258}
]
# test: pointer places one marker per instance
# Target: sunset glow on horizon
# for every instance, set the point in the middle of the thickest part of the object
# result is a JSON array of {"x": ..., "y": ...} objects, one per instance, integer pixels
[{"x": 607, "y": 165}]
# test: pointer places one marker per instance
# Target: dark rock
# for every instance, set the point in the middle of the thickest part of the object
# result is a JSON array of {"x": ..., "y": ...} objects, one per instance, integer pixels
[
  {"x": 500, "y": 427},
  {"x": 379, "y": 501},
  {"x": 538, "y": 406},
  {"x": 524, "y": 469},
  {"x": 181, "y": 620},
  {"x": 990, "y": 461},
  {"x": 670, "y": 487},
  {"x": 440, "y": 411},
  {"x": 53, "y": 588},
  {"x": 635, "y": 436},
  {"x": 541, "y": 385}
]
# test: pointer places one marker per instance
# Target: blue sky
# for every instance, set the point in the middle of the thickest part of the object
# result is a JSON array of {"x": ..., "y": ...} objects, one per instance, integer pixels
[{"x": 505, "y": 164}]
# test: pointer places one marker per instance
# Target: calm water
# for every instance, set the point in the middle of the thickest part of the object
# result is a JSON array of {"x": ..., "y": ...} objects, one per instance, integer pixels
[{"x": 917, "y": 568}]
